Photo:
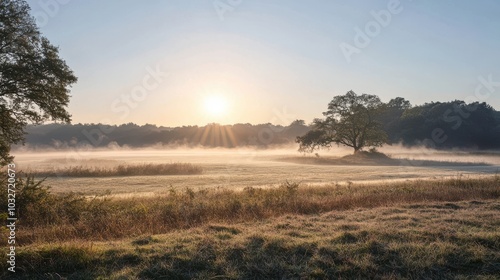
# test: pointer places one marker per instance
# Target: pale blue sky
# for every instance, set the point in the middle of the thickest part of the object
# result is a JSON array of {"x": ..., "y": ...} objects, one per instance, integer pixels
[{"x": 273, "y": 61}]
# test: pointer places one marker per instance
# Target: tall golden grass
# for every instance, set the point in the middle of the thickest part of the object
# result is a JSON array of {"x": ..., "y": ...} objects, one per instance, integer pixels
[
  {"x": 47, "y": 217},
  {"x": 147, "y": 169}
]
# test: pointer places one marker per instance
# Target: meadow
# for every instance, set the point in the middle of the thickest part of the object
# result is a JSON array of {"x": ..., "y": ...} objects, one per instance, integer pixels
[
  {"x": 241, "y": 168},
  {"x": 258, "y": 214}
]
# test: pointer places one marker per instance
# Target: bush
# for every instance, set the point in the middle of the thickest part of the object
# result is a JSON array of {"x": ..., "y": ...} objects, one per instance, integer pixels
[{"x": 37, "y": 206}]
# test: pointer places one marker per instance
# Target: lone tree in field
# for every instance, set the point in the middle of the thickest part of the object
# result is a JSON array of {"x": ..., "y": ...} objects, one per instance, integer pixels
[
  {"x": 350, "y": 121},
  {"x": 34, "y": 81}
]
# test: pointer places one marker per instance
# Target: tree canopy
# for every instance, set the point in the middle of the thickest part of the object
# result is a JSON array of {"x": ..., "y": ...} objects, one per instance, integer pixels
[
  {"x": 470, "y": 126},
  {"x": 360, "y": 121},
  {"x": 351, "y": 120},
  {"x": 34, "y": 80},
  {"x": 449, "y": 125}
]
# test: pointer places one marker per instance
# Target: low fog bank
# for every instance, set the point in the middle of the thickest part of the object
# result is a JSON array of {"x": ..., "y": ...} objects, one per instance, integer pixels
[
  {"x": 63, "y": 136},
  {"x": 453, "y": 155},
  {"x": 414, "y": 127},
  {"x": 32, "y": 157},
  {"x": 43, "y": 158},
  {"x": 238, "y": 168}
]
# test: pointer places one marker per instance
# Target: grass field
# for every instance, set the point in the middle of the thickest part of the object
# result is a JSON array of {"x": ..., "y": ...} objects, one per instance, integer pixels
[
  {"x": 442, "y": 227},
  {"x": 414, "y": 229},
  {"x": 238, "y": 169},
  {"x": 432, "y": 240}
]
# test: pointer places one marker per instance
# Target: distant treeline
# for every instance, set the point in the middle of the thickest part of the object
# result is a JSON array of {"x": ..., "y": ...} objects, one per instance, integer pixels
[
  {"x": 132, "y": 135},
  {"x": 452, "y": 124}
]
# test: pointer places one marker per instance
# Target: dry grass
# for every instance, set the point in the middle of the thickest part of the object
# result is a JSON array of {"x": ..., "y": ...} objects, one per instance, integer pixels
[
  {"x": 47, "y": 217},
  {"x": 148, "y": 169},
  {"x": 431, "y": 240},
  {"x": 422, "y": 229}
]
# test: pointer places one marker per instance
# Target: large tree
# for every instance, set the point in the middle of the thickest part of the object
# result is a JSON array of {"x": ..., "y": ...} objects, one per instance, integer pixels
[
  {"x": 34, "y": 80},
  {"x": 350, "y": 120}
]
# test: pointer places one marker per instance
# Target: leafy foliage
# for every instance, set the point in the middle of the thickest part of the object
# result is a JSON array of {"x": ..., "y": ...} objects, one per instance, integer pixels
[
  {"x": 363, "y": 121},
  {"x": 459, "y": 125},
  {"x": 210, "y": 135},
  {"x": 474, "y": 125},
  {"x": 351, "y": 120},
  {"x": 36, "y": 205},
  {"x": 34, "y": 81}
]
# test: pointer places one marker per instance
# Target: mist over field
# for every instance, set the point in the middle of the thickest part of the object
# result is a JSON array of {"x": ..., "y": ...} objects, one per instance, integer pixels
[{"x": 238, "y": 168}]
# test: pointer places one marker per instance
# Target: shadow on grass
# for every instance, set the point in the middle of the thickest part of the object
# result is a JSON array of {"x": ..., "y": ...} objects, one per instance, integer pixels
[
  {"x": 54, "y": 263},
  {"x": 270, "y": 258},
  {"x": 350, "y": 255}
]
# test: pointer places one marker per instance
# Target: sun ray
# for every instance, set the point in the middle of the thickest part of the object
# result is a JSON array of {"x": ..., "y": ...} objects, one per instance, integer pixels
[{"x": 231, "y": 137}]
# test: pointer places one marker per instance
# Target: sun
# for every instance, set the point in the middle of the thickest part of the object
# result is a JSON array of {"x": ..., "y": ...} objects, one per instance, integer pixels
[{"x": 215, "y": 105}]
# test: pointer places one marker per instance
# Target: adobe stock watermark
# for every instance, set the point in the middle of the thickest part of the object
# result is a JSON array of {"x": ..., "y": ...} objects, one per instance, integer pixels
[
  {"x": 483, "y": 90},
  {"x": 121, "y": 106},
  {"x": 126, "y": 102},
  {"x": 223, "y": 6},
  {"x": 266, "y": 135},
  {"x": 139, "y": 93},
  {"x": 364, "y": 36},
  {"x": 48, "y": 9},
  {"x": 11, "y": 216}
]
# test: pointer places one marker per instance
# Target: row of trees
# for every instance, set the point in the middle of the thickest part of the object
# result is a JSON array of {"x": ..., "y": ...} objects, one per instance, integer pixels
[
  {"x": 356, "y": 121},
  {"x": 132, "y": 135},
  {"x": 361, "y": 121}
]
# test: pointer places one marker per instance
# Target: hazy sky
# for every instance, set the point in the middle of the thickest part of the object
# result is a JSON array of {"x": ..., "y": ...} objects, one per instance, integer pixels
[{"x": 267, "y": 61}]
